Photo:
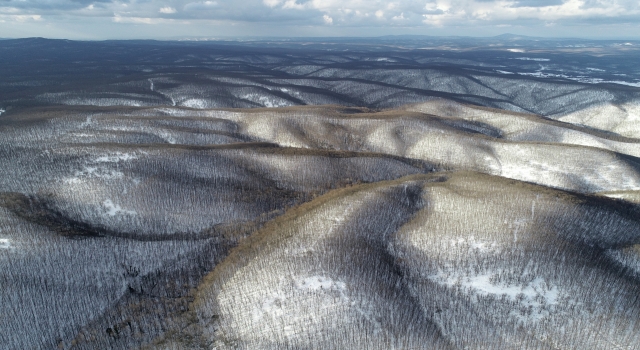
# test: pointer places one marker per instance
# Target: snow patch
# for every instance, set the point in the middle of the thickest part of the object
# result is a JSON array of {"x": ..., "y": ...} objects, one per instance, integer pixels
[
  {"x": 115, "y": 158},
  {"x": 167, "y": 137},
  {"x": 290, "y": 92},
  {"x": 532, "y": 59},
  {"x": 515, "y": 50},
  {"x": 530, "y": 291},
  {"x": 115, "y": 209},
  {"x": 2, "y": 111},
  {"x": 5, "y": 244},
  {"x": 579, "y": 78},
  {"x": 272, "y": 306},
  {"x": 471, "y": 243},
  {"x": 533, "y": 300},
  {"x": 98, "y": 101},
  {"x": 193, "y": 103},
  {"x": 171, "y": 112},
  {"x": 266, "y": 101},
  {"x": 94, "y": 172},
  {"x": 87, "y": 122},
  {"x": 319, "y": 283}
]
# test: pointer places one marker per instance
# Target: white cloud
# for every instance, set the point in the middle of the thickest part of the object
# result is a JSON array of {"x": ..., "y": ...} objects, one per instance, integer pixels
[
  {"x": 138, "y": 20},
  {"x": 293, "y": 4},
  {"x": 387, "y": 16},
  {"x": 272, "y": 3},
  {"x": 167, "y": 10},
  {"x": 200, "y": 6},
  {"x": 20, "y": 18},
  {"x": 346, "y": 12},
  {"x": 9, "y": 10},
  {"x": 399, "y": 17},
  {"x": 441, "y": 12}
]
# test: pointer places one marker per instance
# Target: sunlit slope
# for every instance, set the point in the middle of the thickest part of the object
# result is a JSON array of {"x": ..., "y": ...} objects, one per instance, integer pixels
[
  {"x": 461, "y": 260},
  {"x": 444, "y": 133},
  {"x": 631, "y": 196},
  {"x": 529, "y": 127},
  {"x": 622, "y": 118},
  {"x": 558, "y": 160}
]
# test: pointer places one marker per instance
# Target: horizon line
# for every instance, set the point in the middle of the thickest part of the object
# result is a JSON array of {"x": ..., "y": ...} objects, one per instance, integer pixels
[{"x": 316, "y": 38}]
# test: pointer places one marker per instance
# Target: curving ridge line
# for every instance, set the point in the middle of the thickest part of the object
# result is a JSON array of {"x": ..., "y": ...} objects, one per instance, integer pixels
[{"x": 336, "y": 255}]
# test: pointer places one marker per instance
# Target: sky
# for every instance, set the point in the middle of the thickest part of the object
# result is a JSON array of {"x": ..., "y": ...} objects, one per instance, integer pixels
[{"x": 177, "y": 19}]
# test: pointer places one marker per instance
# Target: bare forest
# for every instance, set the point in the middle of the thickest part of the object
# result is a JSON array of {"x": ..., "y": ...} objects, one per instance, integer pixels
[{"x": 375, "y": 194}]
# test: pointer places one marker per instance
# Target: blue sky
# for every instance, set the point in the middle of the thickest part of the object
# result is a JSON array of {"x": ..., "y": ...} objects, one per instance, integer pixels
[{"x": 172, "y": 19}]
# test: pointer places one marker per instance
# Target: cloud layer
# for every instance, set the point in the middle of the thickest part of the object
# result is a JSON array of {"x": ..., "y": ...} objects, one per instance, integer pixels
[{"x": 341, "y": 15}]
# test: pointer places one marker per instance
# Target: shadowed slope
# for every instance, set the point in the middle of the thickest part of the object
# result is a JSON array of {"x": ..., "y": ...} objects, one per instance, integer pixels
[{"x": 320, "y": 277}]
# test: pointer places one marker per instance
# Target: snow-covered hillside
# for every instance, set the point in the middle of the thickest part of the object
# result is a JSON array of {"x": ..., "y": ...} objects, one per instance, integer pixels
[{"x": 281, "y": 195}]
